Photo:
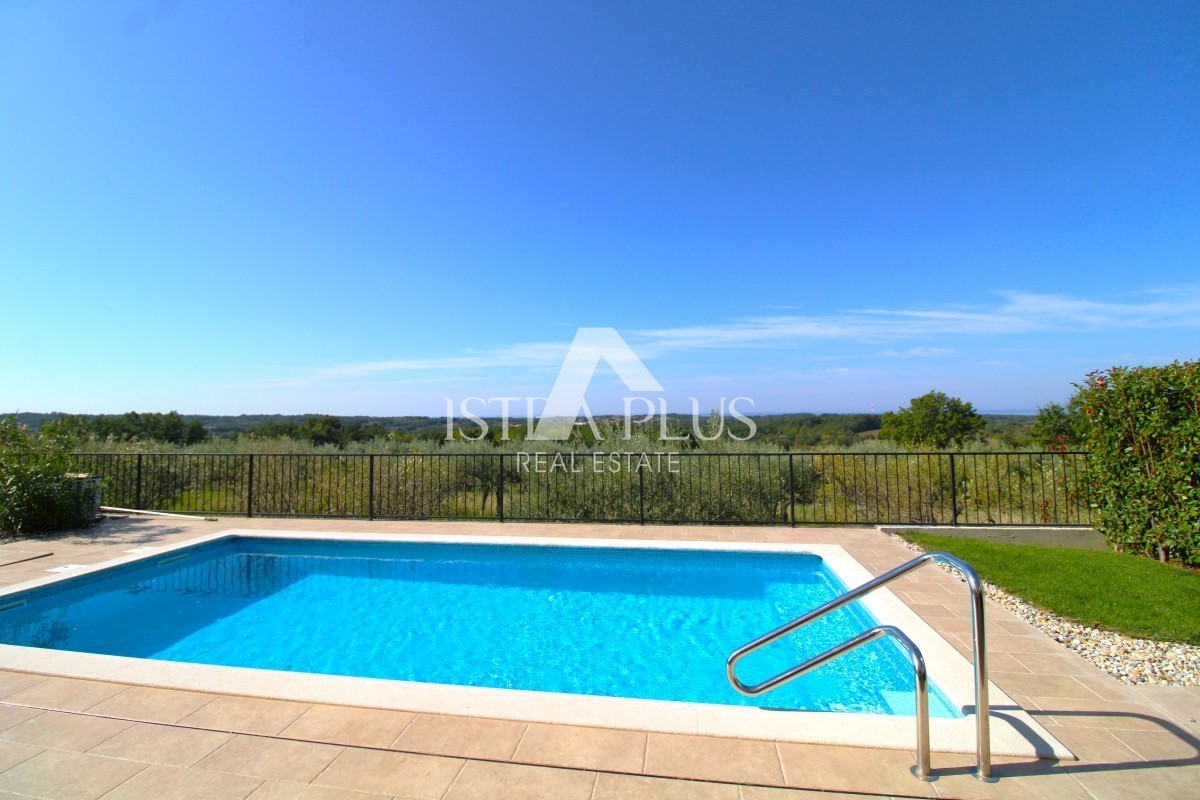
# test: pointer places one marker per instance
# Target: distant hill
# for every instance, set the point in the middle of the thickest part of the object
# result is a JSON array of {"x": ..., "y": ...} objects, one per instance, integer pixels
[
  {"x": 800, "y": 429},
  {"x": 225, "y": 425}
]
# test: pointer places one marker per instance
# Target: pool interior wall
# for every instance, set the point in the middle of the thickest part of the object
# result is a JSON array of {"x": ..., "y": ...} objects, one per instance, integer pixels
[{"x": 635, "y": 623}]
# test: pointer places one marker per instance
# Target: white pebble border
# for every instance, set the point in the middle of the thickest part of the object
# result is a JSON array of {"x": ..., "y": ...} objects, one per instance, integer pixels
[{"x": 1132, "y": 661}]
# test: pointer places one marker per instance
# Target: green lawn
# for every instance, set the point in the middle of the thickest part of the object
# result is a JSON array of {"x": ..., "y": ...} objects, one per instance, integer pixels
[{"x": 1132, "y": 595}]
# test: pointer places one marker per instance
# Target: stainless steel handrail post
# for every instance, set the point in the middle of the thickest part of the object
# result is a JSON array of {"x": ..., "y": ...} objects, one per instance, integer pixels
[
  {"x": 983, "y": 708},
  {"x": 979, "y": 651},
  {"x": 922, "y": 769}
]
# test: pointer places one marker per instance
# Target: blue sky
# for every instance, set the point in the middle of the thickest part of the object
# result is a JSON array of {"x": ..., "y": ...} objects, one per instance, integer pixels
[{"x": 230, "y": 207}]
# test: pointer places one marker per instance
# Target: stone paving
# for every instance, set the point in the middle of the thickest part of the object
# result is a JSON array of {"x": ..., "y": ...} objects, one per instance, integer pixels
[{"x": 66, "y": 738}]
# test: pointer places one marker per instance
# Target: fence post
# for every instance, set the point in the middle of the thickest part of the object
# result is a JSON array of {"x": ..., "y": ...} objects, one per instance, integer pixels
[
  {"x": 137, "y": 486},
  {"x": 500, "y": 491},
  {"x": 1086, "y": 498},
  {"x": 371, "y": 486},
  {"x": 791, "y": 490},
  {"x": 641, "y": 496},
  {"x": 250, "y": 488},
  {"x": 953, "y": 494}
]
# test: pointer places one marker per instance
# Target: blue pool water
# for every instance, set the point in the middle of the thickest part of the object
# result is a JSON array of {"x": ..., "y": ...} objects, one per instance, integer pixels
[{"x": 655, "y": 624}]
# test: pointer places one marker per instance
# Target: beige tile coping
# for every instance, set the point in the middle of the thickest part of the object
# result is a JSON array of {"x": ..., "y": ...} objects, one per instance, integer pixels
[{"x": 1014, "y": 732}]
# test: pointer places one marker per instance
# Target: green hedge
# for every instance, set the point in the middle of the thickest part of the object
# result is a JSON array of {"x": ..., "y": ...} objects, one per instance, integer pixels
[{"x": 1143, "y": 434}]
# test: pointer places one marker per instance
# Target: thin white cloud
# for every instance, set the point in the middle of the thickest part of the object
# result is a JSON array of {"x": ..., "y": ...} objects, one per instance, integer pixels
[
  {"x": 920, "y": 352},
  {"x": 519, "y": 356},
  {"x": 1019, "y": 312},
  {"x": 1016, "y": 313}
]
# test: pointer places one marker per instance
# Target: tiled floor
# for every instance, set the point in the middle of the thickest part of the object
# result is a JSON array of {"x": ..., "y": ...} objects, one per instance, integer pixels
[{"x": 64, "y": 738}]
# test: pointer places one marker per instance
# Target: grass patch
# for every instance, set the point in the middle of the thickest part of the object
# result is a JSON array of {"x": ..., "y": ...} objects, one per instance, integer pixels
[{"x": 1114, "y": 591}]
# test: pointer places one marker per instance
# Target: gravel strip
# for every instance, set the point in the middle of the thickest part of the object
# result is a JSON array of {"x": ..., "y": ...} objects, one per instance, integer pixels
[{"x": 1132, "y": 661}]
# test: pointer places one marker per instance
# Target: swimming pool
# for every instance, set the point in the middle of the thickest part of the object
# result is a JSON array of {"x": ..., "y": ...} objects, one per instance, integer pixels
[{"x": 643, "y": 623}]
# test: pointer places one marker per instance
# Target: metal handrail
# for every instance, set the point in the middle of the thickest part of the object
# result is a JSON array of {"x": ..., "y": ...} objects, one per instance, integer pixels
[{"x": 983, "y": 770}]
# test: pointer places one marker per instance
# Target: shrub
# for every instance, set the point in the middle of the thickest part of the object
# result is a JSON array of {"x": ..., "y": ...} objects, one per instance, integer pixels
[
  {"x": 36, "y": 494},
  {"x": 415, "y": 487},
  {"x": 1143, "y": 434},
  {"x": 898, "y": 489},
  {"x": 1015, "y": 488}
]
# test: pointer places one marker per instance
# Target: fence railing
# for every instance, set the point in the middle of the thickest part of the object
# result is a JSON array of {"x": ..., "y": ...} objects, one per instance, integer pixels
[{"x": 1030, "y": 489}]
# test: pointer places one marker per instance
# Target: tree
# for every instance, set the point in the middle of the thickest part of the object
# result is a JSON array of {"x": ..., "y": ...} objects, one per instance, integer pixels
[
  {"x": 167, "y": 427},
  {"x": 130, "y": 427},
  {"x": 323, "y": 429},
  {"x": 195, "y": 432},
  {"x": 1057, "y": 427},
  {"x": 273, "y": 430},
  {"x": 933, "y": 420}
]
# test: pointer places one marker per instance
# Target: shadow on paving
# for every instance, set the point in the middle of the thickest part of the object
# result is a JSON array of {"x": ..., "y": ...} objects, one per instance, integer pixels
[
  {"x": 1050, "y": 766},
  {"x": 1070, "y": 538},
  {"x": 107, "y": 530}
]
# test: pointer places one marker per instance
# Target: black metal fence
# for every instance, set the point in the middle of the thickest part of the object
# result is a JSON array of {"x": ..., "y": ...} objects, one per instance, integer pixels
[{"x": 1030, "y": 489}]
